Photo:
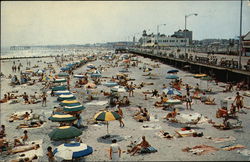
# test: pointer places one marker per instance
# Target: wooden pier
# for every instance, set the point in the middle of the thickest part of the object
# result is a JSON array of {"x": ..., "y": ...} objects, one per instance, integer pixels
[{"x": 220, "y": 73}]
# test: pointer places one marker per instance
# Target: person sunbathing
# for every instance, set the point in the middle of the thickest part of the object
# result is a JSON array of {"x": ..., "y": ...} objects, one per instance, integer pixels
[
  {"x": 31, "y": 125},
  {"x": 160, "y": 103},
  {"x": 21, "y": 117},
  {"x": 27, "y": 159},
  {"x": 143, "y": 145},
  {"x": 171, "y": 114},
  {"x": 210, "y": 101},
  {"x": 24, "y": 148},
  {"x": 5, "y": 99},
  {"x": 166, "y": 134},
  {"x": 22, "y": 139}
]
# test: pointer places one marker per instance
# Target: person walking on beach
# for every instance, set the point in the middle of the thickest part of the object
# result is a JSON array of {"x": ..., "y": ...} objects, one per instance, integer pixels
[
  {"x": 188, "y": 101},
  {"x": 115, "y": 151},
  {"x": 50, "y": 154},
  {"x": 121, "y": 116},
  {"x": 239, "y": 101},
  {"x": 131, "y": 90},
  {"x": 44, "y": 99}
]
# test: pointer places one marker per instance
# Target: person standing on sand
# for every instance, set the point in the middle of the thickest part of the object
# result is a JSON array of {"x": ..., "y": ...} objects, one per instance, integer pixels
[
  {"x": 121, "y": 115},
  {"x": 50, "y": 155},
  {"x": 188, "y": 101},
  {"x": 239, "y": 101},
  {"x": 68, "y": 82},
  {"x": 115, "y": 151},
  {"x": 131, "y": 90},
  {"x": 44, "y": 99}
]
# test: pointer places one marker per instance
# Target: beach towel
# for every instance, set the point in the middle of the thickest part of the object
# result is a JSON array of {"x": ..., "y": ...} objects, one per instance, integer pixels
[
  {"x": 222, "y": 139},
  {"x": 31, "y": 153},
  {"x": 200, "y": 149},
  {"x": 230, "y": 148},
  {"x": 97, "y": 103}
]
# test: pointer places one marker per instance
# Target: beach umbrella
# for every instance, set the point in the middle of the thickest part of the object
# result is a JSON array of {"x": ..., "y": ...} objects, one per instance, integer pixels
[
  {"x": 62, "y": 118},
  {"x": 59, "y": 88},
  {"x": 69, "y": 151},
  {"x": 70, "y": 104},
  {"x": 172, "y": 77},
  {"x": 66, "y": 97},
  {"x": 110, "y": 84},
  {"x": 65, "y": 132},
  {"x": 106, "y": 116},
  {"x": 90, "y": 85},
  {"x": 63, "y": 74},
  {"x": 65, "y": 68},
  {"x": 39, "y": 71},
  {"x": 118, "y": 89},
  {"x": 173, "y": 102},
  {"x": 199, "y": 75},
  {"x": 65, "y": 92},
  {"x": 171, "y": 91},
  {"x": 73, "y": 108},
  {"x": 79, "y": 76},
  {"x": 173, "y": 71},
  {"x": 96, "y": 75},
  {"x": 59, "y": 80},
  {"x": 91, "y": 66}
]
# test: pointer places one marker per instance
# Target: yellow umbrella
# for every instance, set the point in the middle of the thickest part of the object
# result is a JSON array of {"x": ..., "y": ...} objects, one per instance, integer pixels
[
  {"x": 200, "y": 75},
  {"x": 70, "y": 101}
]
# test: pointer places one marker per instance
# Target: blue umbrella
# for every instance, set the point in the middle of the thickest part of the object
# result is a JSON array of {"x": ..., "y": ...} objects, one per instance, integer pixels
[
  {"x": 171, "y": 91},
  {"x": 110, "y": 84},
  {"x": 172, "y": 77},
  {"x": 65, "y": 68},
  {"x": 96, "y": 75},
  {"x": 173, "y": 71}
]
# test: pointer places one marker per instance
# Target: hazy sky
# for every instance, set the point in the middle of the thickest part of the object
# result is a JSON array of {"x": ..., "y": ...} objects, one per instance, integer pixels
[{"x": 80, "y": 22}]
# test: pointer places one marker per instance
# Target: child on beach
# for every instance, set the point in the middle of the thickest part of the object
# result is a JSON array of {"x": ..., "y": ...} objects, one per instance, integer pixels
[{"x": 50, "y": 154}]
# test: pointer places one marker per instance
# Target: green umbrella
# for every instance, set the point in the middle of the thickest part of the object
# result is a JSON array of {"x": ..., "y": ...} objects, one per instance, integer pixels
[
  {"x": 74, "y": 108},
  {"x": 63, "y": 74},
  {"x": 65, "y": 132},
  {"x": 62, "y": 118},
  {"x": 59, "y": 80},
  {"x": 59, "y": 88}
]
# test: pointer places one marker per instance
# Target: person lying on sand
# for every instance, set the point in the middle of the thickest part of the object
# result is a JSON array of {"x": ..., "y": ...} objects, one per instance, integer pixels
[
  {"x": 27, "y": 159},
  {"x": 20, "y": 117},
  {"x": 171, "y": 114},
  {"x": 166, "y": 134},
  {"x": 31, "y": 125},
  {"x": 22, "y": 139},
  {"x": 160, "y": 103},
  {"x": 143, "y": 116},
  {"x": 144, "y": 144},
  {"x": 5, "y": 99},
  {"x": 24, "y": 148}
]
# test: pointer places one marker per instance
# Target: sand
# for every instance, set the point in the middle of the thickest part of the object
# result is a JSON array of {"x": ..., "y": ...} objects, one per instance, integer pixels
[{"x": 167, "y": 149}]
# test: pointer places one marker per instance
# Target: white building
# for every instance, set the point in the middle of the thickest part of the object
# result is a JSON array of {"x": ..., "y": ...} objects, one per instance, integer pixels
[{"x": 163, "y": 41}]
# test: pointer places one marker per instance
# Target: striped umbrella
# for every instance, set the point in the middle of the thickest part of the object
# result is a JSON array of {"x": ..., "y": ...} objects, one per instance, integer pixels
[
  {"x": 110, "y": 84},
  {"x": 96, "y": 75},
  {"x": 62, "y": 118},
  {"x": 107, "y": 116},
  {"x": 66, "y": 97},
  {"x": 70, "y": 103},
  {"x": 173, "y": 102},
  {"x": 59, "y": 80},
  {"x": 63, "y": 74},
  {"x": 69, "y": 151},
  {"x": 172, "y": 77},
  {"x": 59, "y": 88},
  {"x": 65, "y": 132},
  {"x": 173, "y": 71},
  {"x": 66, "y": 92},
  {"x": 79, "y": 76},
  {"x": 171, "y": 91},
  {"x": 65, "y": 68},
  {"x": 73, "y": 108}
]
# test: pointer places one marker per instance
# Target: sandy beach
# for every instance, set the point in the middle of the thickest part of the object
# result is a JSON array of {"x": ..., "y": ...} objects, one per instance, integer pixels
[{"x": 167, "y": 149}]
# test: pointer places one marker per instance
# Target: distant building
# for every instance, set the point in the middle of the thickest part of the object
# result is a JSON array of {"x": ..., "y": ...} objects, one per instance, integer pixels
[
  {"x": 246, "y": 44},
  {"x": 152, "y": 40},
  {"x": 181, "y": 34}
]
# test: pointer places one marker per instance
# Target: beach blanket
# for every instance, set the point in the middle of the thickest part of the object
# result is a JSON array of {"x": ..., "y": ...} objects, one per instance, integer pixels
[
  {"x": 150, "y": 127},
  {"x": 200, "y": 149},
  {"x": 193, "y": 118},
  {"x": 230, "y": 148},
  {"x": 97, "y": 103},
  {"x": 185, "y": 133},
  {"x": 222, "y": 139}
]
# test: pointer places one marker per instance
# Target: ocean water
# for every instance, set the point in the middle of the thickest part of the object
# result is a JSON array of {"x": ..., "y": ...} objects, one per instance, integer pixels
[{"x": 43, "y": 51}]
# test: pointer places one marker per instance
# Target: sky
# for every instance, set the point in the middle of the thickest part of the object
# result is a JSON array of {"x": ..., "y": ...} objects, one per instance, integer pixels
[{"x": 81, "y": 22}]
